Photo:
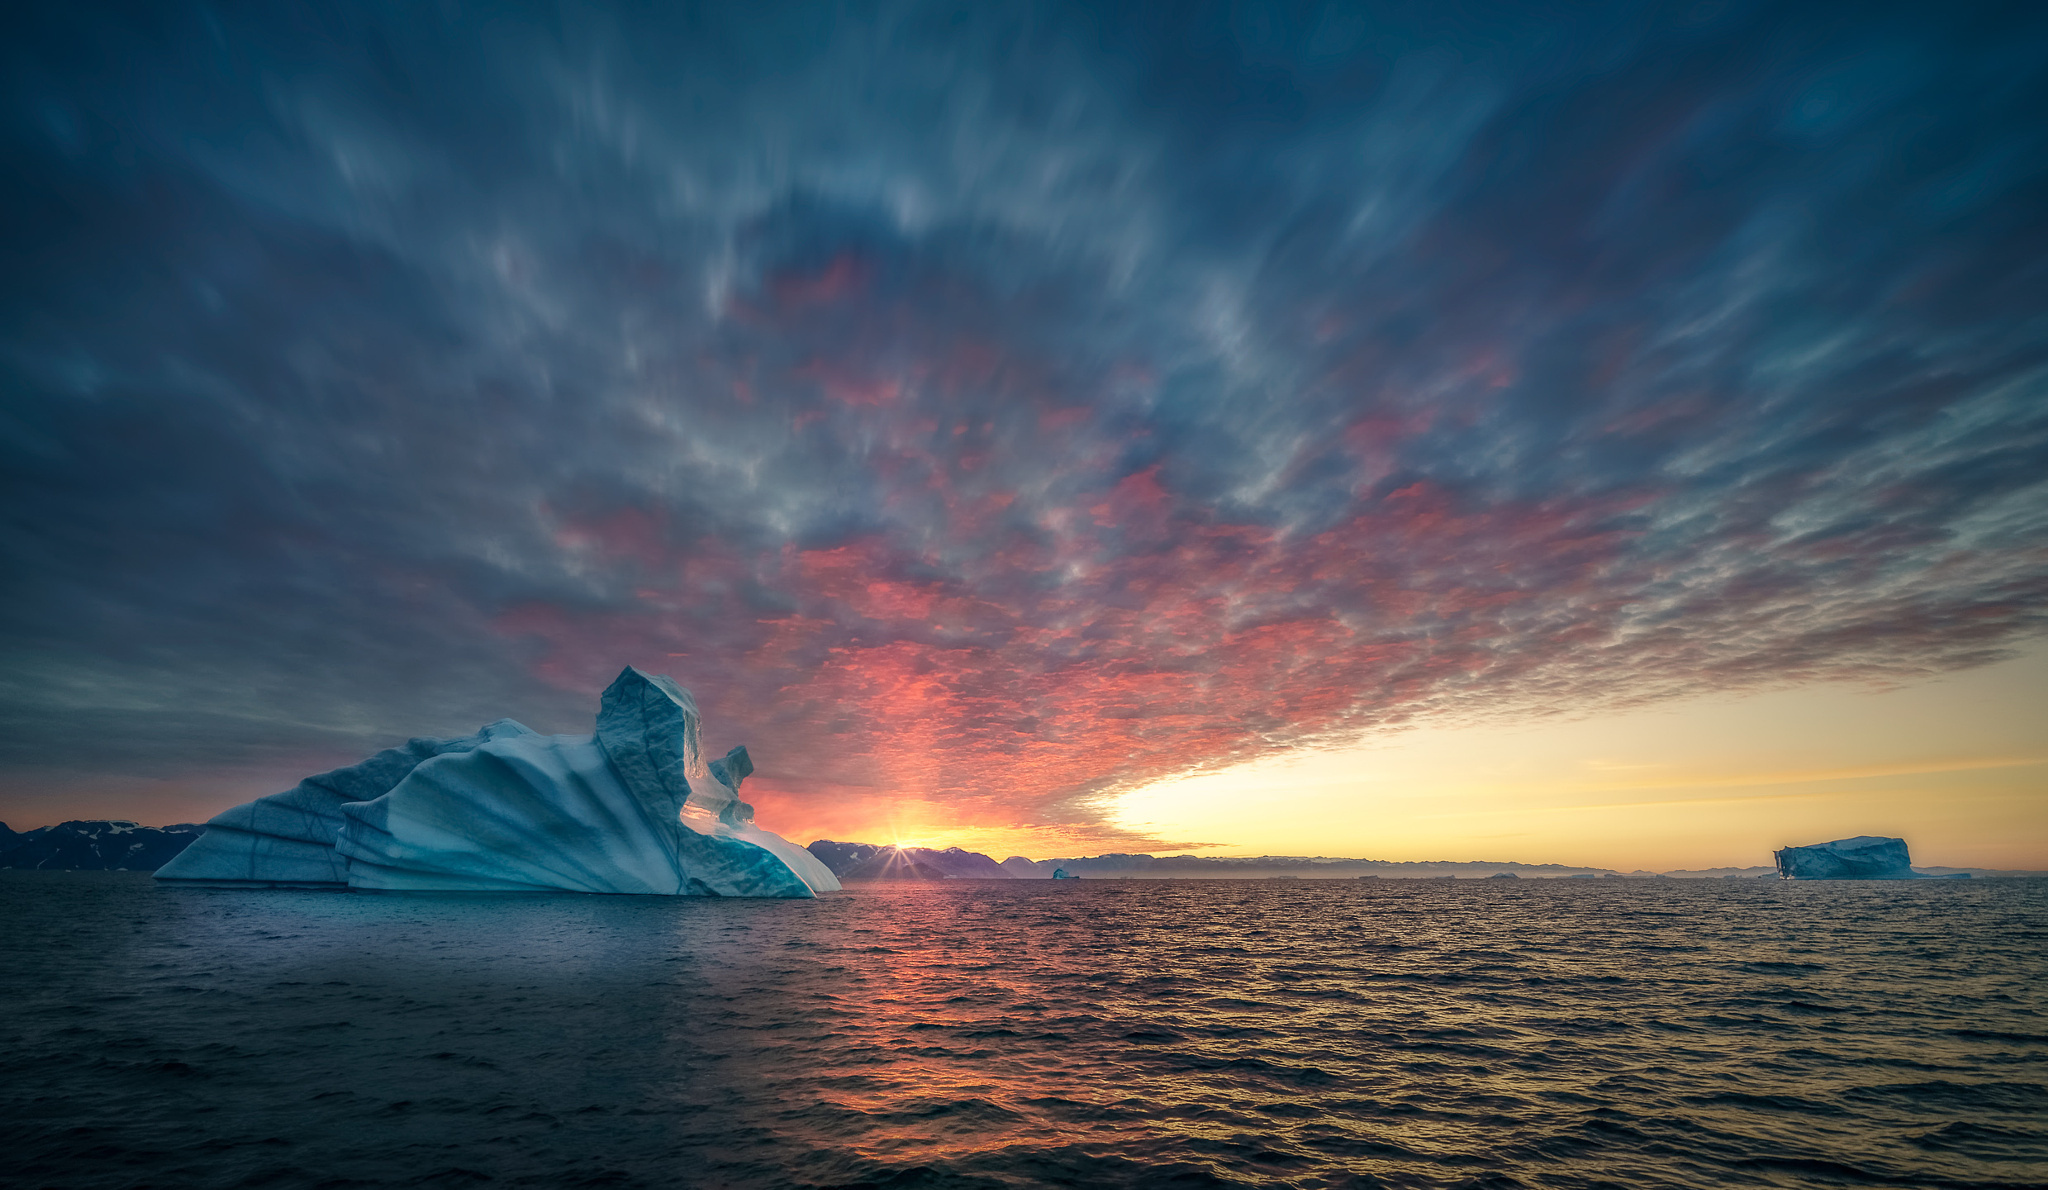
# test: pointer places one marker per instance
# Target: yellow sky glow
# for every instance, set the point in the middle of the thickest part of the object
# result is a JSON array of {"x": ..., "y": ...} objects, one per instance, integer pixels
[{"x": 1956, "y": 765}]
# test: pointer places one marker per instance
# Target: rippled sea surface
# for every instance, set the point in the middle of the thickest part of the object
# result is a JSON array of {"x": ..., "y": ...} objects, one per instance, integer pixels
[{"x": 968, "y": 1034}]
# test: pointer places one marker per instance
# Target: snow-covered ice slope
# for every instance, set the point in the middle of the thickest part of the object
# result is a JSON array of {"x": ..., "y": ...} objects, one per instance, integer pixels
[
  {"x": 288, "y": 838},
  {"x": 634, "y": 808}
]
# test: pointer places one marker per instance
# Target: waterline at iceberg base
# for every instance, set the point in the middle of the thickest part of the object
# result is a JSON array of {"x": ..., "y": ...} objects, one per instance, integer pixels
[{"x": 633, "y": 808}]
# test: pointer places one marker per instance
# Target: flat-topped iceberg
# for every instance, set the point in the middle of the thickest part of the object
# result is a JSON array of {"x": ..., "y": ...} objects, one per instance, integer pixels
[
  {"x": 634, "y": 808},
  {"x": 1865, "y": 857}
]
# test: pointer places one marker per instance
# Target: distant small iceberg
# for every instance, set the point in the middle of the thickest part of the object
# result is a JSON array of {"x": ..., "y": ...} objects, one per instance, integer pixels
[{"x": 1865, "y": 857}]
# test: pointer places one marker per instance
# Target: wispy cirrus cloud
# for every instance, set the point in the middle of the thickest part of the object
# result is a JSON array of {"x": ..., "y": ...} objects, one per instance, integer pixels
[{"x": 989, "y": 410}]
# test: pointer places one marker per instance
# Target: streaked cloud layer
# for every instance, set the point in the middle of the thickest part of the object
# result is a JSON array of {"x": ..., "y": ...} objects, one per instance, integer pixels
[{"x": 984, "y": 411}]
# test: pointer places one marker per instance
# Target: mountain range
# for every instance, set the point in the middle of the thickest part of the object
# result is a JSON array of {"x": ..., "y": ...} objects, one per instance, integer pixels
[
  {"x": 881, "y": 861},
  {"x": 117, "y": 845},
  {"x": 96, "y": 845}
]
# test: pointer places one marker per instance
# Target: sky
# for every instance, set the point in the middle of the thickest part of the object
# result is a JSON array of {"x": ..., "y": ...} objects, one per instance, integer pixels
[{"x": 1294, "y": 428}]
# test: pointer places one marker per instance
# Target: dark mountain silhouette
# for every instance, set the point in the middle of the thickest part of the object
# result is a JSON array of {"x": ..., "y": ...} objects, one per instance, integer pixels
[
  {"x": 99, "y": 845},
  {"x": 881, "y": 861}
]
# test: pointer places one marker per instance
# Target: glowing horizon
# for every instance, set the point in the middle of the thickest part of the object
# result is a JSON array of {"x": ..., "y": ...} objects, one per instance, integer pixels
[{"x": 1953, "y": 765}]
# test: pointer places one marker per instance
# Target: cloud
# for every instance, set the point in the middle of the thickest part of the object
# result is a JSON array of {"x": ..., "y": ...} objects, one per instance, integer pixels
[{"x": 990, "y": 411}]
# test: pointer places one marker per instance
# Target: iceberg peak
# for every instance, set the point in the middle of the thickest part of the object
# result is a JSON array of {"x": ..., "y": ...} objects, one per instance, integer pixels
[{"x": 649, "y": 729}]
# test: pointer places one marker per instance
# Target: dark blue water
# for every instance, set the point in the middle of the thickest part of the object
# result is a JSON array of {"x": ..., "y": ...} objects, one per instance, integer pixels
[{"x": 970, "y": 1034}]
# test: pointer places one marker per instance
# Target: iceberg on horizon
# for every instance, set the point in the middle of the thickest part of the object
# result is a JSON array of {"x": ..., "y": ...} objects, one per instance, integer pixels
[
  {"x": 633, "y": 808},
  {"x": 1865, "y": 857}
]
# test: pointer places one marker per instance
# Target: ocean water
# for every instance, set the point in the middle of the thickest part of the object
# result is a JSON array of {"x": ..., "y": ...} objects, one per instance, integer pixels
[{"x": 979, "y": 1034}]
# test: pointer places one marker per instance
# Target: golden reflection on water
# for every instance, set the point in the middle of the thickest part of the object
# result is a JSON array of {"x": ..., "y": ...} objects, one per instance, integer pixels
[
  {"x": 1379, "y": 1027},
  {"x": 1022, "y": 1033}
]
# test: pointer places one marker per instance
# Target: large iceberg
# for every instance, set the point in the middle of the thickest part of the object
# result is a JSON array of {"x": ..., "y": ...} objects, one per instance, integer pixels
[
  {"x": 634, "y": 808},
  {"x": 1865, "y": 857}
]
